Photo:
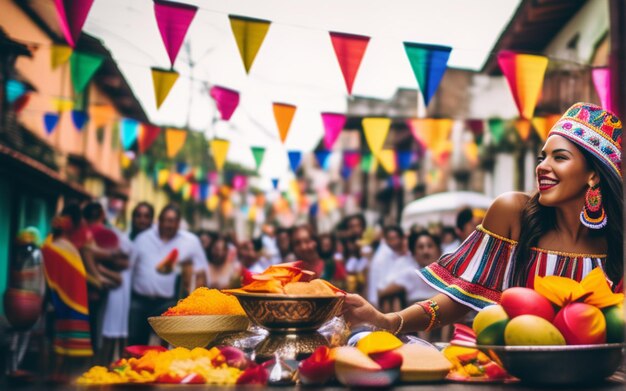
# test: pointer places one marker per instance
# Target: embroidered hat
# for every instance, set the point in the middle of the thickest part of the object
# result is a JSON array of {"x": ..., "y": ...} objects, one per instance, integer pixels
[{"x": 595, "y": 129}]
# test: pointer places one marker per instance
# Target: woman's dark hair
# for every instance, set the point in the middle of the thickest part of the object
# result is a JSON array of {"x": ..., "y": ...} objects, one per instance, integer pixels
[
  {"x": 538, "y": 219},
  {"x": 414, "y": 237},
  {"x": 170, "y": 207},
  {"x": 144, "y": 204},
  {"x": 393, "y": 228},
  {"x": 72, "y": 210}
]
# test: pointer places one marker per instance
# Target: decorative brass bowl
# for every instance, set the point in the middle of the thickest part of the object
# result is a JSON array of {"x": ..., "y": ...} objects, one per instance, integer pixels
[
  {"x": 558, "y": 365},
  {"x": 285, "y": 313},
  {"x": 196, "y": 331}
]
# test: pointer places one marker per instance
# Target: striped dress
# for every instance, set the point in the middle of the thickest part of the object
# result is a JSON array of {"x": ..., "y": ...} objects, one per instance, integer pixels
[
  {"x": 66, "y": 277},
  {"x": 480, "y": 269}
]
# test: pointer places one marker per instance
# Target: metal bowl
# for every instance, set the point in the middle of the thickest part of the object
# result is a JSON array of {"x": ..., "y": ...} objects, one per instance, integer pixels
[
  {"x": 559, "y": 365},
  {"x": 285, "y": 313}
]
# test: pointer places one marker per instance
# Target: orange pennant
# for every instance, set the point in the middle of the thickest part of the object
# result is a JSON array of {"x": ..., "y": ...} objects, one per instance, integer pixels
[
  {"x": 283, "y": 113},
  {"x": 174, "y": 141},
  {"x": 522, "y": 125},
  {"x": 543, "y": 125}
]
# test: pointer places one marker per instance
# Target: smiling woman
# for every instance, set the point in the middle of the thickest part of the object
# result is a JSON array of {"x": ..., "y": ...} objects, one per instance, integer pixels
[{"x": 564, "y": 229}]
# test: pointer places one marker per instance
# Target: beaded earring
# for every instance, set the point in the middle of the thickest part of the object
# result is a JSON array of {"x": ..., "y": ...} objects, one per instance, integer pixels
[{"x": 593, "y": 215}]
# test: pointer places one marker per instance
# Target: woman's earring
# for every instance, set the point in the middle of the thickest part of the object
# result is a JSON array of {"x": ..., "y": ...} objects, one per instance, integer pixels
[{"x": 593, "y": 215}]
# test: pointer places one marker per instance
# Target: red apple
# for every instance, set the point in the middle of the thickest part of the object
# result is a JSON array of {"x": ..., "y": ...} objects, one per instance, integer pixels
[
  {"x": 525, "y": 301},
  {"x": 387, "y": 360},
  {"x": 581, "y": 324}
]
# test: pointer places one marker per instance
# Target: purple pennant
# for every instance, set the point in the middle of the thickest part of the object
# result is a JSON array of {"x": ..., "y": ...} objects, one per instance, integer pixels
[
  {"x": 79, "y": 118},
  {"x": 173, "y": 20},
  {"x": 226, "y": 101},
  {"x": 333, "y": 125},
  {"x": 405, "y": 158},
  {"x": 295, "y": 158},
  {"x": 204, "y": 191},
  {"x": 72, "y": 15},
  {"x": 275, "y": 183},
  {"x": 50, "y": 120},
  {"x": 323, "y": 158}
]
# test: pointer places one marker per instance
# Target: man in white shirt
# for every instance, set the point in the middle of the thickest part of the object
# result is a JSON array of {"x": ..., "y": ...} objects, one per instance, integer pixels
[{"x": 155, "y": 291}]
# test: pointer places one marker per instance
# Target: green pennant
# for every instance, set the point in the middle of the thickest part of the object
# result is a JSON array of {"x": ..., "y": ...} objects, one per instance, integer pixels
[
  {"x": 258, "y": 153},
  {"x": 497, "y": 129},
  {"x": 83, "y": 66},
  {"x": 366, "y": 162}
]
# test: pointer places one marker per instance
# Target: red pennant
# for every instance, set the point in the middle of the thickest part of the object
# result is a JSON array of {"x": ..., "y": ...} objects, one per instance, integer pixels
[
  {"x": 349, "y": 50},
  {"x": 148, "y": 134}
]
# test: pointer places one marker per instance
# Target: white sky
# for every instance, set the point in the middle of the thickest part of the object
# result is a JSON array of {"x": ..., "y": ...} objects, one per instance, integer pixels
[{"x": 296, "y": 63}]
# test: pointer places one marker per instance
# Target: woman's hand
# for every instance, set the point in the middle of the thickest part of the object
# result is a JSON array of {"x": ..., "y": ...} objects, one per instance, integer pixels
[{"x": 356, "y": 310}]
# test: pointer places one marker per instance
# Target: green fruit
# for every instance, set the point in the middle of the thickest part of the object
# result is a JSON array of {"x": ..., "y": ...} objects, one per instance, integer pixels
[
  {"x": 493, "y": 334},
  {"x": 488, "y": 316},
  {"x": 614, "y": 316},
  {"x": 527, "y": 330}
]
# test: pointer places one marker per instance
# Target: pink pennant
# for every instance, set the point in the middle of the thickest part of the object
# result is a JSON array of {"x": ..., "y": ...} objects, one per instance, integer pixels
[
  {"x": 351, "y": 159},
  {"x": 333, "y": 125},
  {"x": 349, "y": 50},
  {"x": 173, "y": 20},
  {"x": 72, "y": 15},
  {"x": 226, "y": 101},
  {"x": 239, "y": 182},
  {"x": 602, "y": 82}
]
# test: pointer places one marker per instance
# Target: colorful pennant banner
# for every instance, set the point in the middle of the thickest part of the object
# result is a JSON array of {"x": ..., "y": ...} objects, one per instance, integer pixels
[
  {"x": 387, "y": 159},
  {"x": 477, "y": 127},
  {"x": 295, "y": 158},
  {"x": 174, "y": 141},
  {"x": 59, "y": 55},
  {"x": 50, "y": 121},
  {"x": 219, "y": 150},
  {"x": 405, "y": 158},
  {"x": 79, "y": 119},
  {"x": 275, "y": 183},
  {"x": 497, "y": 129},
  {"x": 429, "y": 63},
  {"x": 258, "y": 153},
  {"x": 543, "y": 125},
  {"x": 333, "y": 125},
  {"x": 322, "y": 157},
  {"x": 376, "y": 130},
  {"x": 431, "y": 133},
  {"x": 522, "y": 126},
  {"x": 83, "y": 66},
  {"x": 249, "y": 34},
  {"x": 15, "y": 89},
  {"x": 524, "y": 73},
  {"x": 72, "y": 15},
  {"x": 173, "y": 20},
  {"x": 283, "y": 113},
  {"x": 366, "y": 162},
  {"x": 226, "y": 101},
  {"x": 147, "y": 136},
  {"x": 61, "y": 104},
  {"x": 162, "y": 80},
  {"x": 349, "y": 49},
  {"x": 602, "y": 82},
  {"x": 351, "y": 159},
  {"x": 129, "y": 133}
]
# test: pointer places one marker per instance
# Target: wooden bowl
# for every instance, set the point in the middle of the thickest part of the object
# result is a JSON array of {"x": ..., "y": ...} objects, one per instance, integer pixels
[{"x": 196, "y": 331}]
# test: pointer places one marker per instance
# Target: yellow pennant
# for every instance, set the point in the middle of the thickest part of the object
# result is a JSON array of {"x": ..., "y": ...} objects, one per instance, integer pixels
[
  {"x": 522, "y": 126},
  {"x": 283, "y": 113},
  {"x": 59, "y": 55},
  {"x": 125, "y": 160},
  {"x": 162, "y": 80},
  {"x": 163, "y": 176},
  {"x": 62, "y": 104},
  {"x": 387, "y": 159},
  {"x": 530, "y": 72},
  {"x": 471, "y": 152},
  {"x": 176, "y": 182},
  {"x": 212, "y": 202},
  {"x": 376, "y": 130},
  {"x": 219, "y": 150},
  {"x": 186, "y": 191},
  {"x": 543, "y": 125},
  {"x": 431, "y": 132},
  {"x": 409, "y": 178},
  {"x": 249, "y": 34},
  {"x": 174, "y": 141}
]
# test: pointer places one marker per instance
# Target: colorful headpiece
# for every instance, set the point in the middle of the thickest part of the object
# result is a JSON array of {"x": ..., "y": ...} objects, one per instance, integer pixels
[{"x": 595, "y": 129}]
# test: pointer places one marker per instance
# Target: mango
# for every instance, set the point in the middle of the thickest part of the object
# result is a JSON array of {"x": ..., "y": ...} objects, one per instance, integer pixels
[
  {"x": 525, "y": 330},
  {"x": 493, "y": 334},
  {"x": 488, "y": 316},
  {"x": 614, "y": 316},
  {"x": 581, "y": 324},
  {"x": 378, "y": 342},
  {"x": 525, "y": 301}
]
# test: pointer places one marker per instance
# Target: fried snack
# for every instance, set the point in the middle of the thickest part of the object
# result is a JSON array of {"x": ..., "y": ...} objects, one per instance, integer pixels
[{"x": 422, "y": 363}]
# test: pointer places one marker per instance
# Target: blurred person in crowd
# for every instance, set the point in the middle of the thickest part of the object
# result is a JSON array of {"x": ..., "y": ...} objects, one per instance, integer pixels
[
  {"x": 355, "y": 225},
  {"x": 377, "y": 266},
  {"x": 270, "y": 247},
  {"x": 250, "y": 256},
  {"x": 356, "y": 265},
  {"x": 283, "y": 242},
  {"x": 574, "y": 218},
  {"x": 398, "y": 260},
  {"x": 166, "y": 262},
  {"x": 334, "y": 268},
  {"x": 304, "y": 245},
  {"x": 224, "y": 268},
  {"x": 116, "y": 312},
  {"x": 449, "y": 240},
  {"x": 206, "y": 239}
]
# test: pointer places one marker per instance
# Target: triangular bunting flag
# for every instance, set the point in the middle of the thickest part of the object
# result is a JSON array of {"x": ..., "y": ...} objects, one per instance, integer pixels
[
  {"x": 283, "y": 113},
  {"x": 182, "y": 168},
  {"x": 83, "y": 66},
  {"x": 147, "y": 135},
  {"x": 602, "y": 82},
  {"x": 204, "y": 191},
  {"x": 72, "y": 15},
  {"x": 174, "y": 141},
  {"x": 59, "y": 55},
  {"x": 376, "y": 130},
  {"x": 524, "y": 73},
  {"x": 497, "y": 129},
  {"x": 405, "y": 159},
  {"x": 226, "y": 101},
  {"x": 173, "y": 20},
  {"x": 333, "y": 124},
  {"x": 295, "y": 158},
  {"x": 128, "y": 135},
  {"x": 249, "y": 34},
  {"x": 543, "y": 125},
  {"x": 15, "y": 89},
  {"x": 346, "y": 172},
  {"x": 50, "y": 121},
  {"x": 522, "y": 126},
  {"x": 366, "y": 162},
  {"x": 162, "y": 80},
  {"x": 163, "y": 176},
  {"x": 275, "y": 183},
  {"x": 79, "y": 118},
  {"x": 258, "y": 153},
  {"x": 21, "y": 102},
  {"x": 431, "y": 133},
  {"x": 429, "y": 63},
  {"x": 471, "y": 152},
  {"x": 322, "y": 158},
  {"x": 477, "y": 127},
  {"x": 62, "y": 104},
  {"x": 219, "y": 150},
  {"x": 409, "y": 178},
  {"x": 349, "y": 50},
  {"x": 351, "y": 159},
  {"x": 101, "y": 115},
  {"x": 387, "y": 159}
]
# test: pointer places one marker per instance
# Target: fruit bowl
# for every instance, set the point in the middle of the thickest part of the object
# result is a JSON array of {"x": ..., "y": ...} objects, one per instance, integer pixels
[
  {"x": 288, "y": 313},
  {"x": 196, "y": 331},
  {"x": 558, "y": 365}
]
